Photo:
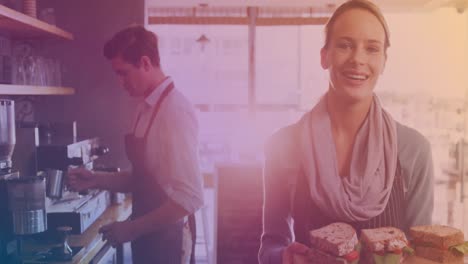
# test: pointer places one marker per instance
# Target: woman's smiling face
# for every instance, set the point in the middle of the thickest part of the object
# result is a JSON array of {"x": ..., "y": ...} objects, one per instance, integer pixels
[{"x": 355, "y": 56}]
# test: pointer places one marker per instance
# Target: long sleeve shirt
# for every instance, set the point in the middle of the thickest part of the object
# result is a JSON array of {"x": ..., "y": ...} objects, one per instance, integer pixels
[{"x": 172, "y": 152}]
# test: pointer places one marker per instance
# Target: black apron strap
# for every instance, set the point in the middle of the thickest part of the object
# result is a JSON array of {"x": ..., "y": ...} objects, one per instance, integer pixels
[
  {"x": 193, "y": 232},
  {"x": 156, "y": 110},
  {"x": 136, "y": 123},
  {"x": 157, "y": 107}
]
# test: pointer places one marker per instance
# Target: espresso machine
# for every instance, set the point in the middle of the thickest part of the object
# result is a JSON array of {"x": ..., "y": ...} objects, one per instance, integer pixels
[
  {"x": 22, "y": 197},
  {"x": 77, "y": 210},
  {"x": 50, "y": 149},
  {"x": 7, "y": 144},
  {"x": 34, "y": 160}
]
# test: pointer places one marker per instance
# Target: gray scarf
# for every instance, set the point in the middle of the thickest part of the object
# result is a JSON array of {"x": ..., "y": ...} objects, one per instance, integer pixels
[{"x": 365, "y": 192}]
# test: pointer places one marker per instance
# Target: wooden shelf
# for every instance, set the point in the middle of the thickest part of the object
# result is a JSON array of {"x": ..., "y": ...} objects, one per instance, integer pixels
[
  {"x": 13, "y": 89},
  {"x": 21, "y": 25}
]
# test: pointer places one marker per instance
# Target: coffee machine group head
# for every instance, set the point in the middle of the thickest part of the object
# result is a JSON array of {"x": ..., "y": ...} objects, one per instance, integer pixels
[{"x": 55, "y": 158}]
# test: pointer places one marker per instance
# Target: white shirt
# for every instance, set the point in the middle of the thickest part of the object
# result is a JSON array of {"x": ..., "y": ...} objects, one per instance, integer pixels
[{"x": 171, "y": 154}]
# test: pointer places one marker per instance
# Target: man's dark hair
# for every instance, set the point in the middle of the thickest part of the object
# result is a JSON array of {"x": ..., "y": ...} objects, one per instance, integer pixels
[{"x": 131, "y": 44}]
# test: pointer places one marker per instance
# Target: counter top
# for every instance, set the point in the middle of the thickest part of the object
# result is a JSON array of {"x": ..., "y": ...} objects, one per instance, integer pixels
[{"x": 91, "y": 240}]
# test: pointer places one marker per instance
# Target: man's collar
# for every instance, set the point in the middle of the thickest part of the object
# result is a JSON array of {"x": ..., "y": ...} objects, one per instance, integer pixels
[{"x": 153, "y": 97}]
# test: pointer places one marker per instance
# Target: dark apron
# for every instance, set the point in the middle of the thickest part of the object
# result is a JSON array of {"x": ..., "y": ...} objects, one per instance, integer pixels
[
  {"x": 164, "y": 246},
  {"x": 307, "y": 215}
]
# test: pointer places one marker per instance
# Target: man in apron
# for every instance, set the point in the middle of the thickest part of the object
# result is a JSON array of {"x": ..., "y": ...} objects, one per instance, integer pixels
[{"x": 165, "y": 180}]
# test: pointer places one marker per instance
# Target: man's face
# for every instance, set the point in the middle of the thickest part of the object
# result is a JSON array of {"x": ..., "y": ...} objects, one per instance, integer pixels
[
  {"x": 355, "y": 57},
  {"x": 131, "y": 78}
]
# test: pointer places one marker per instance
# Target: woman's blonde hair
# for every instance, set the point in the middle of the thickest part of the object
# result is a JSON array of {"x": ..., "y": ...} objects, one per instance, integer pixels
[{"x": 353, "y": 4}]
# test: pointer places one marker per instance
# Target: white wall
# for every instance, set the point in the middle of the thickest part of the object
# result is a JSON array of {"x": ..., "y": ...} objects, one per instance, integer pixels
[{"x": 428, "y": 53}]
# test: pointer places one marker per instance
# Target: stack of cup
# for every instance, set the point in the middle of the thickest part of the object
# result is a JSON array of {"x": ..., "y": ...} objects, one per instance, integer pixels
[{"x": 29, "y": 8}]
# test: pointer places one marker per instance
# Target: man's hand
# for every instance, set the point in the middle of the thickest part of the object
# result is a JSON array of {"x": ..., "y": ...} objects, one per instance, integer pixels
[
  {"x": 81, "y": 179},
  {"x": 295, "y": 253},
  {"x": 118, "y": 232}
]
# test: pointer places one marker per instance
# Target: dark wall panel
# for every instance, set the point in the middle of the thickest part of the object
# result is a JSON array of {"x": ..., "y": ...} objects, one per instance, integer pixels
[{"x": 101, "y": 107}]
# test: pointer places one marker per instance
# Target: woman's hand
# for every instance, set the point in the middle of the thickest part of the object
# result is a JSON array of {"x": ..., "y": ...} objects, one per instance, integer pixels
[{"x": 295, "y": 253}]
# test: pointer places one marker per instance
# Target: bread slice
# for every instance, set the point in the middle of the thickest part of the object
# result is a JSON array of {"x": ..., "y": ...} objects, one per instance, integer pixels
[
  {"x": 383, "y": 239},
  {"x": 438, "y": 236},
  {"x": 438, "y": 255},
  {"x": 337, "y": 239}
]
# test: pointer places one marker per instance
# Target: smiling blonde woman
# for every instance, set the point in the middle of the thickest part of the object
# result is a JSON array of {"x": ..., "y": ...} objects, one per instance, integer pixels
[{"x": 347, "y": 159}]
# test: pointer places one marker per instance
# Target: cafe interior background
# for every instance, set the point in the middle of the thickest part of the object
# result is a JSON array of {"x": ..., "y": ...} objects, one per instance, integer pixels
[{"x": 249, "y": 67}]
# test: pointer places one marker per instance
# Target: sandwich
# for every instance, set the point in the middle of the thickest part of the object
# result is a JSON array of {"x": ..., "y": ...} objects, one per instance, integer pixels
[
  {"x": 385, "y": 245},
  {"x": 336, "y": 243},
  {"x": 439, "y": 243}
]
